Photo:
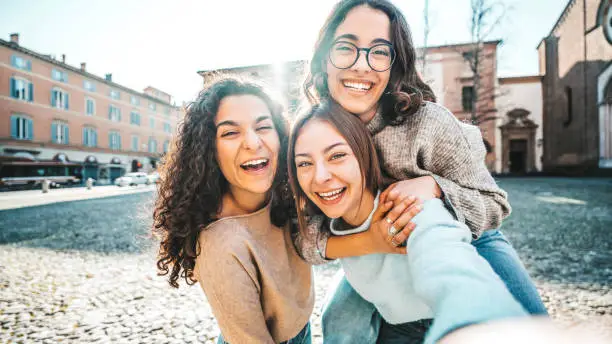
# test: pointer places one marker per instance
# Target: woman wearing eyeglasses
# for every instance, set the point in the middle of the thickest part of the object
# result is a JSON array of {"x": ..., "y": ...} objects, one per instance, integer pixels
[{"x": 364, "y": 60}]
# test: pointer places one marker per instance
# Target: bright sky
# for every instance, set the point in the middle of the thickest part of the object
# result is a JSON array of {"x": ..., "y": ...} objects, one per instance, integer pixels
[{"x": 164, "y": 43}]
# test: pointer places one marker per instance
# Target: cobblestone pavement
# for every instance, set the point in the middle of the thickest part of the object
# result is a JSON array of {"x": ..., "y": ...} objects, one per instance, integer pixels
[{"x": 84, "y": 271}]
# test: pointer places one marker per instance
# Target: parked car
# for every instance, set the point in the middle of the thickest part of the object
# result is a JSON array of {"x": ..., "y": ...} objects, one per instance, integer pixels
[
  {"x": 153, "y": 178},
  {"x": 133, "y": 178}
]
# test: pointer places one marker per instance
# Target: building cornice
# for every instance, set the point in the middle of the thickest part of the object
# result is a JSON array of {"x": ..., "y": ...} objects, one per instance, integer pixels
[{"x": 560, "y": 20}]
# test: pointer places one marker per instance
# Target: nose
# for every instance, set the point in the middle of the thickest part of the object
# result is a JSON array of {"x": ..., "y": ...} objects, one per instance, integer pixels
[
  {"x": 322, "y": 174},
  {"x": 362, "y": 62},
  {"x": 252, "y": 141}
]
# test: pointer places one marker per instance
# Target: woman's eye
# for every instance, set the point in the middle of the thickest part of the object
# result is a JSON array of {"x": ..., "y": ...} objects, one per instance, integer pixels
[
  {"x": 229, "y": 133},
  {"x": 337, "y": 156},
  {"x": 303, "y": 164},
  {"x": 265, "y": 127}
]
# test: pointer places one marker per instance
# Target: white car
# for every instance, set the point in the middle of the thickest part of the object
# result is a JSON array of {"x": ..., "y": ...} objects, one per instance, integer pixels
[
  {"x": 153, "y": 178},
  {"x": 133, "y": 178}
]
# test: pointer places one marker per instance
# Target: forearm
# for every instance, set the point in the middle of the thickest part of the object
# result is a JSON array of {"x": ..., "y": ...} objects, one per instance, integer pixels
[
  {"x": 480, "y": 209},
  {"x": 358, "y": 244}
]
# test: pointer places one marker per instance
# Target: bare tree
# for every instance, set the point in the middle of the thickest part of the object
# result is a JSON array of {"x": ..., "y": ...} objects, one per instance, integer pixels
[
  {"x": 486, "y": 16},
  {"x": 425, "y": 37}
]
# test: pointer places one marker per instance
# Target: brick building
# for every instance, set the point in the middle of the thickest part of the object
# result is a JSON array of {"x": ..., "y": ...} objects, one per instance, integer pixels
[
  {"x": 50, "y": 110},
  {"x": 575, "y": 62}
]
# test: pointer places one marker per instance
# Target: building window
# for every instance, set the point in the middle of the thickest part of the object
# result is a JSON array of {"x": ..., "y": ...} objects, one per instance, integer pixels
[
  {"x": 89, "y": 86},
  {"x": 134, "y": 118},
  {"x": 152, "y": 106},
  {"x": 152, "y": 122},
  {"x": 90, "y": 137},
  {"x": 152, "y": 145},
  {"x": 59, "y": 99},
  {"x": 135, "y": 143},
  {"x": 167, "y": 111},
  {"x": 59, "y": 132},
  {"x": 114, "y": 140},
  {"x": 90, "y": 106},
  {"x": 166, "y": 145},
  {"x": 59, "y": 75},
  {"x": 167, "y": 128},
  {"x": 114, "y": 113},
  {"x": 21, "y": 127},
  {"x": 570, "y": 107},
  {"x": 115, "y": 94},
  {"x": 467, "y": 96},
  {"x": 134, "y": 101},
  {"x": 21, "y": 63},
  {"x": 22, "y": 89}
]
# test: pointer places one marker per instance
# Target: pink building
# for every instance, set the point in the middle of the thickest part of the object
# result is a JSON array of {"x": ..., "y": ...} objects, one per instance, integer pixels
[{"x": 50, "y": 110}]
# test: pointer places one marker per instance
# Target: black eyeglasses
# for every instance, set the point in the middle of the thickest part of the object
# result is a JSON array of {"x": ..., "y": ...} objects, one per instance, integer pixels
[{"x": 344, "y": 55}]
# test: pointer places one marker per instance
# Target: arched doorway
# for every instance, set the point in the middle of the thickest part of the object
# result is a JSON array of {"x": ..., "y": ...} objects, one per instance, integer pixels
[
  {"x": 518, "y": 143},
  {"x": 604, "y": 88}
]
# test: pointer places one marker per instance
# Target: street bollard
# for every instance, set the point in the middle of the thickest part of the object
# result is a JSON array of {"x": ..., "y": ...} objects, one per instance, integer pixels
[
  {"x": 45, "y": 186},
  {"x": 89, "y": 183}
]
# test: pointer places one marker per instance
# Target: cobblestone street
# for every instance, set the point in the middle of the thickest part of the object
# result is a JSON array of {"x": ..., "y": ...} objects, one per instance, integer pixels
[{"x": 85, "y": 271}]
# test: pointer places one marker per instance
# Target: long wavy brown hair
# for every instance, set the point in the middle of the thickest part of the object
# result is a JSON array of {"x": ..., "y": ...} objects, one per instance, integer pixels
[
  {"x": 192, "y": 184},
  {"x": 405, "y": 92}
]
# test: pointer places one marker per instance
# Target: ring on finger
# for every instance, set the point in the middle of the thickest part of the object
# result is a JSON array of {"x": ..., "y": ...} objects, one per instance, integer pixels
[
  {"x": 393, "y": 230},
  {"x": 388, "y": 220}
]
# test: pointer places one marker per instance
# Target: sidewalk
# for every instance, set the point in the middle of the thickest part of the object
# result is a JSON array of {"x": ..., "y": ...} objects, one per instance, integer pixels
[{"x": 30, "y": 198}]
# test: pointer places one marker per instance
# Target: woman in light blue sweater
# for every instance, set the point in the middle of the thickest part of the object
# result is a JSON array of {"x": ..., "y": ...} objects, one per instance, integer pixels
[{"x": 333, "y": 169}]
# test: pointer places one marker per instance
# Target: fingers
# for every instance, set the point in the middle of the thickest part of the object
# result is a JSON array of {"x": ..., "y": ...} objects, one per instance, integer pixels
[
  {"x": 396, "y": 212},
  {"x": 408, "y": 215},
  {"x": 384, "y": 194},
  {"x": 402, "y": 236},
  {"x": 381, "y": 211}
]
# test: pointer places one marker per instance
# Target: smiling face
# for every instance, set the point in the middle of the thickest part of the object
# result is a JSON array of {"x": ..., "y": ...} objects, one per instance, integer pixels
[
  {"x": 247, "y": 144},
  {"x": 329, "y": 174},
  {"x": 359, "y": 88}
]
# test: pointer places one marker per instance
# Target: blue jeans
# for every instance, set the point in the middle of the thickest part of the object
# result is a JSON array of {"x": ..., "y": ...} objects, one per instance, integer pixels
[
  {"x": 348, "y": 318},
  {"x": 303, "y": 337}
]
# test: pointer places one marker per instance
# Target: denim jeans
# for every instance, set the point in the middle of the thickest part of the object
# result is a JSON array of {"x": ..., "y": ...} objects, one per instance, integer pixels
[
  {"x": 303, "y": 337},
  {"x": 348, "y": 318}
]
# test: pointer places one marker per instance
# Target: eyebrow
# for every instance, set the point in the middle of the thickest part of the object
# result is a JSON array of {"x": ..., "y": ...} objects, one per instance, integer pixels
[
  {"x": 353, "y": 37},
  {"x": 325, "y": 151},
  {"x": 234, "y": 123}
]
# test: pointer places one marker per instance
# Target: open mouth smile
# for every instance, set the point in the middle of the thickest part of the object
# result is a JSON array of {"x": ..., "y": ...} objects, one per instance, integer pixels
[
  {"x": 358, "y": 85},
  {"x": 331, "y": 197},
  {"x": 255, "y": 165}
]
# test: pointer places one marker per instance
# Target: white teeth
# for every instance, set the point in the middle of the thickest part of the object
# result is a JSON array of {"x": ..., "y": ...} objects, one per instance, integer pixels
[
  {"x": 358, "y": 85},
  {"x": 255, "y": 162},
  {"x": 332, "y": 195}
]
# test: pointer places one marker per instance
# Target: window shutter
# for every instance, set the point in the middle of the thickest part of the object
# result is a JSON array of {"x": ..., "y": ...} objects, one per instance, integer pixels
[
  {"x": 85, "y": 137},
  {"x": 53, "y": 98},
  {"x": 29, "y": 65},
  {"x": 31, "y": 92},
  {"x": 54, "y": 132},
  {"x": 14, "y": 61},
  {"x": 66, "y": 132},
  {"x": 30, "y": 133},
  {"x": 95, "y": 138},
  {"x": 110, "y": 111},
  {"x": 66, "y": 102},
  {"x": 119, "y": 114},
  {"x": 14, "y": 120},
  {"x": 13, "y": 87}
]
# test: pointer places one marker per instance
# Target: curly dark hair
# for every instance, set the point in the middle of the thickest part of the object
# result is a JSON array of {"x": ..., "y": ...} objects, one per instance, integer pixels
[
  {"x": 192, "y": 184},
  {"x": 405, "y": 92}
]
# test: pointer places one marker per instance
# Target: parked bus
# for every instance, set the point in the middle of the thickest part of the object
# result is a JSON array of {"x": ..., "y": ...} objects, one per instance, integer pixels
[{"x": 21, "y": 173}]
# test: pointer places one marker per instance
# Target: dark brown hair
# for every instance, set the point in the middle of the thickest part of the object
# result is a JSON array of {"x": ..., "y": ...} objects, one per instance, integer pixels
[
  {"x": 358, "y": 139},
  {"x": 404, "y": 93},
  {"x": 192, "y": 184}
]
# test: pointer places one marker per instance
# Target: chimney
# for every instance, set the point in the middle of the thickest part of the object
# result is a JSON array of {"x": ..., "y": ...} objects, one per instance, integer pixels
[
  {"x": 63, "y": 58},
  {"x": 83, "y": 65},
  {"x": 15, "y": 38},
  {"x": 109, "y": 77}
]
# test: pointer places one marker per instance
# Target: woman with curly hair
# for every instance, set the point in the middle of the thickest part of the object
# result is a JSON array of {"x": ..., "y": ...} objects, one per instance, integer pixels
[{"x": 222, "y": 214}]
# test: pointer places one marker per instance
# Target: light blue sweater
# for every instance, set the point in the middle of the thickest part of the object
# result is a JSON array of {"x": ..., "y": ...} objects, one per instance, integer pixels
[{"x": 441, "y": 277}]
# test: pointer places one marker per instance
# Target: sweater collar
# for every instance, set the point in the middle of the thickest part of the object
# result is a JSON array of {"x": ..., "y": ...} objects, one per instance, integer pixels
[{"x": 377, "y": 123}]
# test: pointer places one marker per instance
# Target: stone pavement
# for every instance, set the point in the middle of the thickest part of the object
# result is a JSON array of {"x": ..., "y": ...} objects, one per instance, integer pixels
[{"x": 85, "y": 271}]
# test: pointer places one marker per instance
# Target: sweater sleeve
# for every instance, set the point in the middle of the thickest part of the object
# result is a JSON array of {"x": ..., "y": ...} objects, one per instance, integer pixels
[
  {"x": 459, "y": 285},
  {"x": 311, "y": 243},
  {"x": 456, "y": 158},
  {"x": 233, "y": 293}
]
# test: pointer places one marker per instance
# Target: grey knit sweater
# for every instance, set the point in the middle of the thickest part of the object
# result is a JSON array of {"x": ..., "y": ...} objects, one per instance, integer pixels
[{"x": 430, "y": 142}]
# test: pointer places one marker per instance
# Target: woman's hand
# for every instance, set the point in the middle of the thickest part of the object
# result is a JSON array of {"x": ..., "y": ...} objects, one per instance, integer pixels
[
  {"x": 424, "y": 188},
  {"x": 391, "y": 225}
]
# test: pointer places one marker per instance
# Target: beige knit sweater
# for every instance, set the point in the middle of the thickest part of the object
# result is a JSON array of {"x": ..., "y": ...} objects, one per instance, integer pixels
[
  {"x": 430, "y": 142},
  {"x": 259, "y": 289}
]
